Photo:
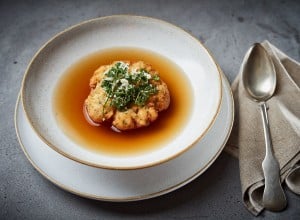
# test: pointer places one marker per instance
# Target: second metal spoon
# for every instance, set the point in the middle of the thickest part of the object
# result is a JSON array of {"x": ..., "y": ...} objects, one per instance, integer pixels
[{"x": 259, "y": 79}]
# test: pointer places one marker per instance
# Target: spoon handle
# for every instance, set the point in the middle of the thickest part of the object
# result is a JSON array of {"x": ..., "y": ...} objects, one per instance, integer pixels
[{"x": 273, "y": 197}]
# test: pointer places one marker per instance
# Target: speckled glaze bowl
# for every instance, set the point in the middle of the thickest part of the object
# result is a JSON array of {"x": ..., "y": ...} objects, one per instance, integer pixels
[{"x": 69, "y": 46}]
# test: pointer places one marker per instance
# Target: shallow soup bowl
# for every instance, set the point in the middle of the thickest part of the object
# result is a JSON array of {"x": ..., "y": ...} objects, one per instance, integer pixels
[{"x": 69, "y": 46}]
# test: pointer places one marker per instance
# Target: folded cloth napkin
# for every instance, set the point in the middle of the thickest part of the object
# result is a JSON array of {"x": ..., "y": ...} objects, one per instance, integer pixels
[{"x": 247, "y": 136}]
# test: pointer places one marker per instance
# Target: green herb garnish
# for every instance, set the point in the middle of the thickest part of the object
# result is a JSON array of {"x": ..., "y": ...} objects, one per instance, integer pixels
[{"x": 124, "y": 88}]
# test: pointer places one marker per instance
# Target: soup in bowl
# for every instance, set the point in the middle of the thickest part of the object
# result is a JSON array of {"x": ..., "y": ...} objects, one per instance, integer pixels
[{"x": 60, "y": 99}]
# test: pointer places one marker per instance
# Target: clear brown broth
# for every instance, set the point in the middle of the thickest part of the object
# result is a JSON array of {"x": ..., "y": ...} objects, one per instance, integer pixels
[{"x": 73, "y": 88}]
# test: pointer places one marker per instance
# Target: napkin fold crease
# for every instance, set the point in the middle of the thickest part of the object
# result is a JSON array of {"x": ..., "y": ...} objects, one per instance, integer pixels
[{"x": 247, "y": 137}]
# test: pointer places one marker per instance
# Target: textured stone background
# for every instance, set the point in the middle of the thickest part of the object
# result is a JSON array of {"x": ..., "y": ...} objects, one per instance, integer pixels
[{"x": 227, "y": 28}]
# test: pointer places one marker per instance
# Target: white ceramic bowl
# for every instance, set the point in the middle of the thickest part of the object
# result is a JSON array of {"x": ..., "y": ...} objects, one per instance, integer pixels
[{"x": 52, "y": 60}]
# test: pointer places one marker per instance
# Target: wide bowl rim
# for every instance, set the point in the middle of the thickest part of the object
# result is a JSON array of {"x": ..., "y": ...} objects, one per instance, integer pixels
[{"x": 97, "y": 165}]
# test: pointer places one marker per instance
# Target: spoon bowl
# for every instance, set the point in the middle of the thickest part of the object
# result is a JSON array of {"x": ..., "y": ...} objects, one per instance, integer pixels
[
  {"x": 259, "y": 76},
  {"x": 259, "y": 79}
]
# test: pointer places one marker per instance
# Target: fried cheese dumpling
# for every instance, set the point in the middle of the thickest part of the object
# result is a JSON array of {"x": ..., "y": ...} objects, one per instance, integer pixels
[{"x": 129, "y": 95}]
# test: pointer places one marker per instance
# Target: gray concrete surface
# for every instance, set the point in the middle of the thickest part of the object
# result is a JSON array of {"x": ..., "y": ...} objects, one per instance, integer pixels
[{"x": 227, "y": 28}]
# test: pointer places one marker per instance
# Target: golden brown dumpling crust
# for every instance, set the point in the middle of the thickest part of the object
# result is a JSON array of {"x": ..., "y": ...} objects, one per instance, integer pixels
[{"x": 134, "y": 117}]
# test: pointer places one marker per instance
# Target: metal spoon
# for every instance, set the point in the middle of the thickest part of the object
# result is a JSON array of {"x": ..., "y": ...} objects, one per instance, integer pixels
[{"x": 259, "y": 79}]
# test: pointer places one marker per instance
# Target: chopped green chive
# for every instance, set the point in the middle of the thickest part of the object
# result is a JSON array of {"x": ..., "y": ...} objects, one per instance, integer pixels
[{"x": 125, "y": 88}]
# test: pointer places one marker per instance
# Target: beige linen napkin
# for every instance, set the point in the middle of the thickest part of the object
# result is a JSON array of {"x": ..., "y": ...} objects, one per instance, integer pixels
[{"x": 247, "y": 138}]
